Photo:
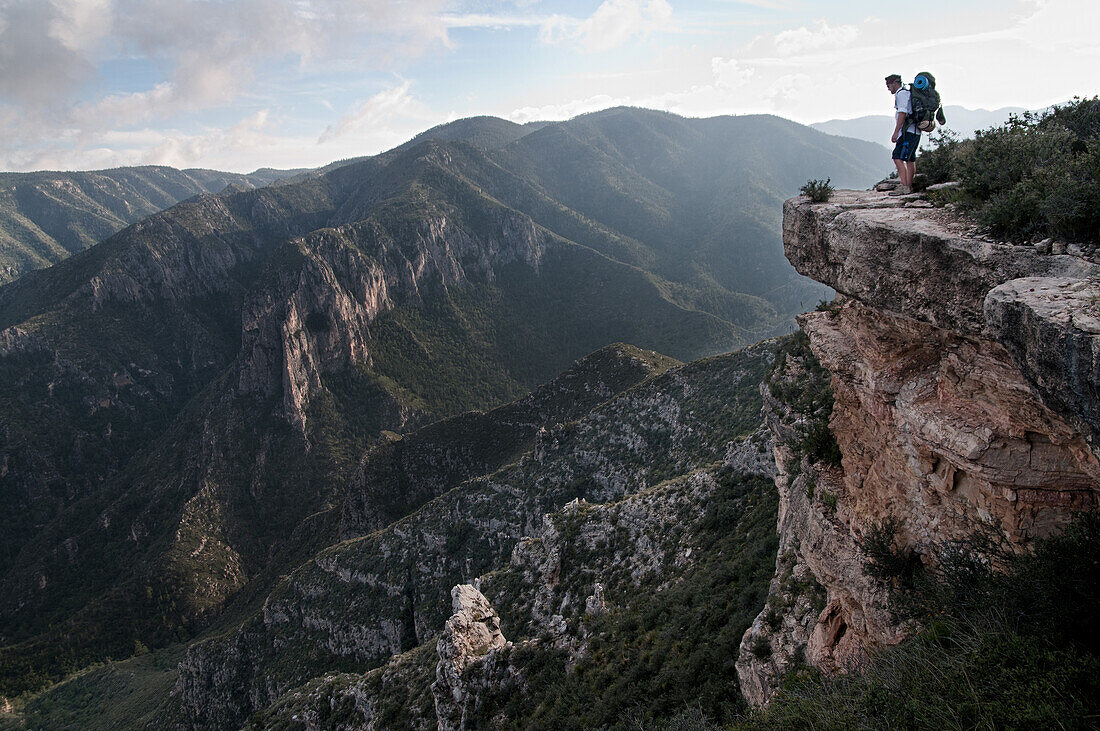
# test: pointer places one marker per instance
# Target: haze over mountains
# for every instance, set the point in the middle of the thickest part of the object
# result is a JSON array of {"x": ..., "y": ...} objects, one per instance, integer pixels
[
  {"x": 185, "y": 405},
  {"x": 48, "y": 216},
  {"x": 878, "y": 127}
]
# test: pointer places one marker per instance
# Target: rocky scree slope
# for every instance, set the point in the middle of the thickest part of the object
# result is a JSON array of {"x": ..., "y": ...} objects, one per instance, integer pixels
[
  {"x": 961, "y": 377},
  {"x": 625, "y": 486}
]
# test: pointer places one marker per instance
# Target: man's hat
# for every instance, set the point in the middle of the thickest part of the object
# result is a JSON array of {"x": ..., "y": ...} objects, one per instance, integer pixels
[{"x": 893, "y": 77}]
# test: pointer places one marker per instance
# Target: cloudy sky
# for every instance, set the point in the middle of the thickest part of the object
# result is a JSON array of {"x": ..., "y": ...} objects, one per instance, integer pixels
[{"x": 242, "y": 84}]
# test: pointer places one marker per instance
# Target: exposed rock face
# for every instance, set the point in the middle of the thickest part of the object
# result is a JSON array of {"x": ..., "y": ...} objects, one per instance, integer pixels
[
  {"x": 1051, "y": 328},
  {"x": 17, "y": 340},
  {"x": 316, "y": 318},
  {"x": 357, "y": 603},
  {"x": 944, "y": 429},
  {"x": 909, "y": 261},
  {"x": 470, "y": 637},
  {"x": 965, "y": 395}
]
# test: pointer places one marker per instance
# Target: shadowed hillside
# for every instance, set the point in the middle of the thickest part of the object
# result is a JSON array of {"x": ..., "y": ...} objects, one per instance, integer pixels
[{"x": 186, "y": 404}]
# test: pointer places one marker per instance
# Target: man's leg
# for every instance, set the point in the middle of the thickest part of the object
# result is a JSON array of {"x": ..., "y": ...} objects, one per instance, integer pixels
[
  {"x": 910, "y": 171},
  {"x": 900, "y": 165}
]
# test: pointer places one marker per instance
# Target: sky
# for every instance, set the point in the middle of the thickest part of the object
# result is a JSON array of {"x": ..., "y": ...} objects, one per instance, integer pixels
[{"x": 242, "y": 84}]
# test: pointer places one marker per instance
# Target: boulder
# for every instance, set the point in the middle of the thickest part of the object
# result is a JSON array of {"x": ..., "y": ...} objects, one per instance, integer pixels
[{"x": 468, "y": 639}]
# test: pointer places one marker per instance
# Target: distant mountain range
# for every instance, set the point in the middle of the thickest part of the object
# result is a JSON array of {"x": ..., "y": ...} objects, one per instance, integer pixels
[
  {"x": 186, "y": 406},
  {"x": 878, "y": 127},
  {"x": 47, "y": 216}
]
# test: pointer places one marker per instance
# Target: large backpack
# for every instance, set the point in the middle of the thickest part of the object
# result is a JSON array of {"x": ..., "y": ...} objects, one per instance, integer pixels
[{"x": 926, "y": 102}]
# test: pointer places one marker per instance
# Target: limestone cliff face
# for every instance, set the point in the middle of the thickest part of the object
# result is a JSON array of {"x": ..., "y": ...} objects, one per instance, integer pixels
[
  {"x": 964, "y": 378},
  {"x": 315, "y": 317},
  {"x": 469, "y": 638}
]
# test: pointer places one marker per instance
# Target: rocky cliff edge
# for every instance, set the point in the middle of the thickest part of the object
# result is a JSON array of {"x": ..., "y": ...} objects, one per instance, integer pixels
[{"x": 964, "y": 379}]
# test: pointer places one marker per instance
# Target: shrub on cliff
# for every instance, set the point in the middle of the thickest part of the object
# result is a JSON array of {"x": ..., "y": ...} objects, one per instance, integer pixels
[
  {"x": 809, "y": 394},
  {"x": 1008, "y": 641},
  {"x": 937, "y": 160},
  {"x": 818, "y": 191},
  {"x": 1036, "y": 175}
]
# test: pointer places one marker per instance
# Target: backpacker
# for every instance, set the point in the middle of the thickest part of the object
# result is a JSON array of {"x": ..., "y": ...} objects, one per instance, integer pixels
[{"x": 926, "y": 103}]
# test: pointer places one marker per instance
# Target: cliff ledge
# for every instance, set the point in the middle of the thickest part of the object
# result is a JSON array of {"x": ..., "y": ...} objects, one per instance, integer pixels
[{"x": 963, "y": 373}]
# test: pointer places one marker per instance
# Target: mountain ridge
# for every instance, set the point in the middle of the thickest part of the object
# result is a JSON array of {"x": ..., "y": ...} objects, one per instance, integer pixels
[
  {"x": 877, "y": 127},
  {"x": 48, "y": 215},
  {"x": 224, "y": 365}
]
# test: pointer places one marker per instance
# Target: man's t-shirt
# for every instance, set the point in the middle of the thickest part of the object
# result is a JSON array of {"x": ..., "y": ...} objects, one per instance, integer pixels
[{"x": 903, "y": 103}]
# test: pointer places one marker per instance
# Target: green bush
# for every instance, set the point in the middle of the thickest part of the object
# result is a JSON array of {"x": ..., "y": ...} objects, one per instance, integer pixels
[
  {"x": 819, "y": 443},
  {"x": 818, "y": 191},
  {"x": 1037, "y": 175},
  {"x": 1007, "y": 640},
  {"x": 937, "y": 160},
  {"x": 761, "y": 647},
  {"x": 953, "y": 676},
  {"x": 883, "y": 559}
]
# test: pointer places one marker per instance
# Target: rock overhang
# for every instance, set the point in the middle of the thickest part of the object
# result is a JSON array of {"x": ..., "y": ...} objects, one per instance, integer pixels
[{"x": 932, "y": 266}]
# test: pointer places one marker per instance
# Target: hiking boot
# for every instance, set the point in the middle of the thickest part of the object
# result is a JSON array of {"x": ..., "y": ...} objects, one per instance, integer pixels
[{"x": 901, "y": 190}]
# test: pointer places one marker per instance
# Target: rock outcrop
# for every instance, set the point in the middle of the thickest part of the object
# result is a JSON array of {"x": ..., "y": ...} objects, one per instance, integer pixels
[
  {"x": 364, "y": 600},
  {"x": 1051, "y": 328},
  {"x": 964, "y": 375},
  {"x": 315, "y": 318},
  {"x": 470, "y": 638}
]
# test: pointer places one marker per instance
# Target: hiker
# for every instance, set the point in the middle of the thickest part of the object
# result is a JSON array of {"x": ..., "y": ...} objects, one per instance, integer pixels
[{"x": 906, "y": 137}]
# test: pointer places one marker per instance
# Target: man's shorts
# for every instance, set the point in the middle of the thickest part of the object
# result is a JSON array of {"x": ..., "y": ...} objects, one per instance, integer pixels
[{"x": 906, "y": 148}]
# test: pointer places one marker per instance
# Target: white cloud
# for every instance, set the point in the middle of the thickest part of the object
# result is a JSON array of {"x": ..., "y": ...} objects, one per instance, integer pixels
[
  {"x": 41, "y": 55},
  {"x": 729, "y": 73},
  {"x": 80, "y": 24},
  {"x": 800, "y": 40},
  {"x": 614, "y": 23},
  {"x": 382, "y": 112},
  {"x": 209, "y": 49},
  {"x": 149, "y": 146},
  {"x": 209, "y": 52},
  {"x": 565, "y": 110},
  {"x": 789, "y": 91},
  {"x": 183, "y": 151},
  {"x": 484, "y": 20},
  {"x": 1065, "y": 25}
]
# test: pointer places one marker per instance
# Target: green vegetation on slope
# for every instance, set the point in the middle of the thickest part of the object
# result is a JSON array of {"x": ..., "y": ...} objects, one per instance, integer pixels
[
  {"x": 809, "y": 395},
  {"x": 403, "y": 473},
  {"x": 702, "y": 195},
  {"x": 666, "y": 643},
  {"x": 486, "y": 344},
  {"x": 116, "y": 695},
  {"x": 1037, "y": 175},
  {"x": 400, "y": 577},
  {"x": 662, "y": 647},
  {"x": 1006, "y": 641},
  {"x": 47, "y": 216}
]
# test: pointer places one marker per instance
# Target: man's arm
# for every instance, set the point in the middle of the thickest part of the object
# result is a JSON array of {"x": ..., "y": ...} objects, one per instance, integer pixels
[
  {"x": 898, "y": 127},
  {"x": 901, "y": 107}
]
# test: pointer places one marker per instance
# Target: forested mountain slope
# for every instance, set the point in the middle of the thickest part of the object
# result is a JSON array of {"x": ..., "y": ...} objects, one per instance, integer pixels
[
  {"x": 186, "y": 406},
  {"x": 48, "y": 216}
]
